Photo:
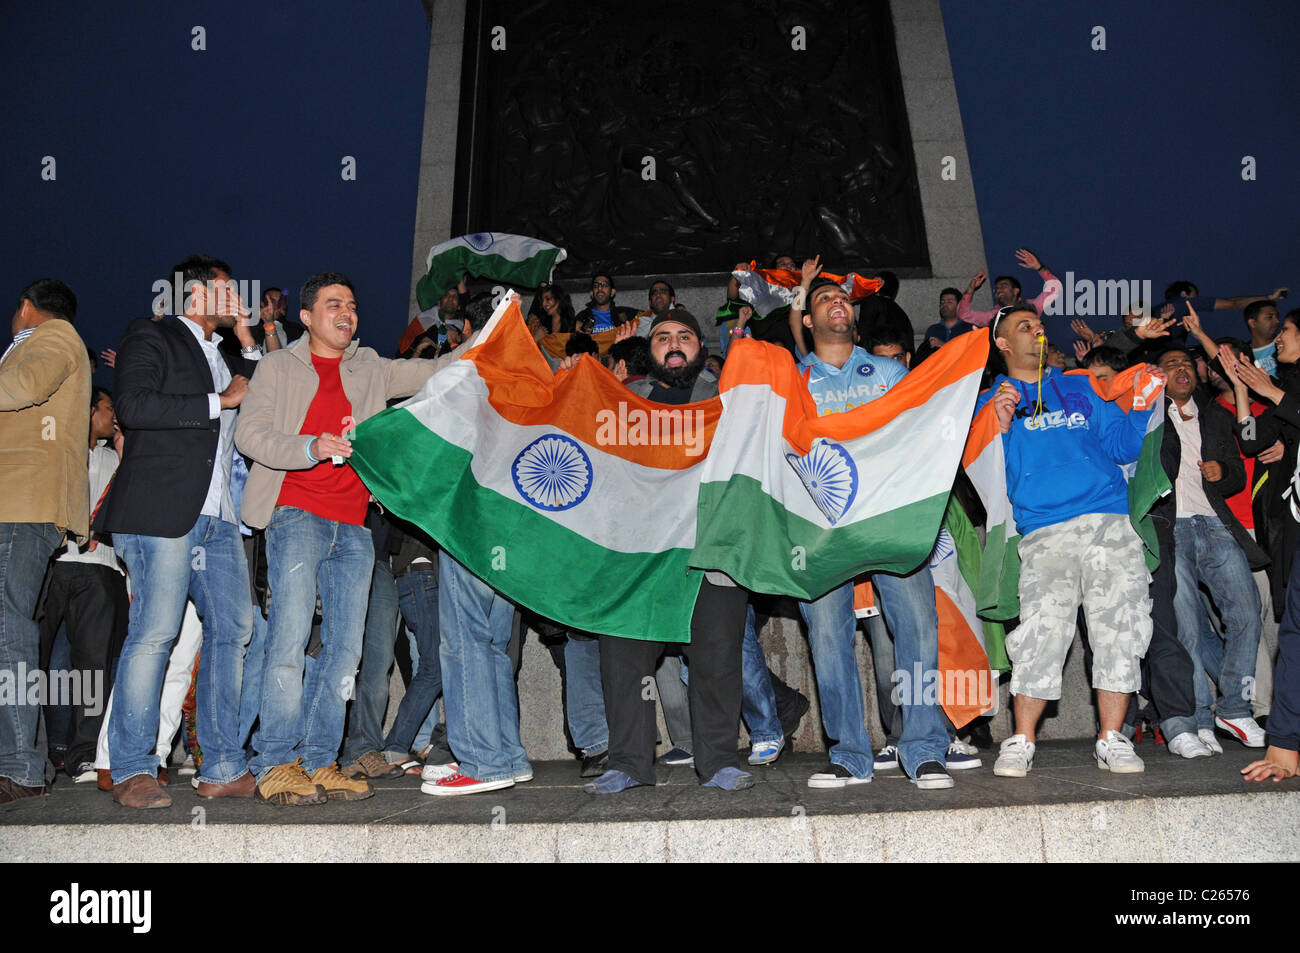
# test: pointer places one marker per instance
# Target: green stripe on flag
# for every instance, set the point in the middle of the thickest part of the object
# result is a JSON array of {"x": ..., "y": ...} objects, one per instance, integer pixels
[
  {"x": 1148, "y": 484},
  {"x": 998, "y": 594},
  {"x": 970, "y": 558},
  {"x": 760, "y": 544},
  {"x": 447, "y": 269},
  {"x": 517, "y": 550}
]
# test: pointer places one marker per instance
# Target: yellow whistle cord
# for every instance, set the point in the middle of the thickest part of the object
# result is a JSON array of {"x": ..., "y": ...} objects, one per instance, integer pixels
[{"x": 1042, "y": 357}]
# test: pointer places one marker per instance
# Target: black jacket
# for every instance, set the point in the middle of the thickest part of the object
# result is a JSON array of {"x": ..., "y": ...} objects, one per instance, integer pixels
[
  {"x": 584, "y": 320},
  {"x": 160, "y": 393},
  {"x": 1219, "y": 445}
]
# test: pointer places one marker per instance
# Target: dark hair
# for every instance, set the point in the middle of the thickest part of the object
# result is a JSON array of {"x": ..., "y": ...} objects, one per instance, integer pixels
[
  {"x": 1112, "y": 357},
  {"x": 1177, "y": 289},
  {"x": 635, "y": 351},
  {"x": 882, "y": 335},
  {"x": 1252, "y": 310},
  {"x": 1294, "y": 317},
  {"x": 950, "y": 291},
  {"x": 602, "y": 274},
  {"x": 661, "y": 281},
  {"x": 53, "y": 297},
  {"x": 889, "y": 288},
  {"x": 1239, "y": 347},
  {"x": 477, "y": 310},
  {"x": 97, "y": 394},
  {"x": 312, "y": 286},
  {"x": 1174, "y": 349},
  {"x": 1015, "y": 282},
  {"x": 582, "y": 344},
  {"x": 997, "y": 364},
  {"x": 535, "y": 310},
  {"x": 199, "y": 268}
]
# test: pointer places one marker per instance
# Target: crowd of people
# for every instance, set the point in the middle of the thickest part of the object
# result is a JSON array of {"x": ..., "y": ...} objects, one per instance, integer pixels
[{"x": 196, "y": 541}]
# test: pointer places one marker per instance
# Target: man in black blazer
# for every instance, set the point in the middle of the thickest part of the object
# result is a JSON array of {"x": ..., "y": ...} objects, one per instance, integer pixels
[{"x": 175, "y": 526}]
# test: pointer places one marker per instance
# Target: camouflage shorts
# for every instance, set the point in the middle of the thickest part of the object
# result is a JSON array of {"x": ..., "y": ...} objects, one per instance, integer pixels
[{"x": 1095, "y": 560}]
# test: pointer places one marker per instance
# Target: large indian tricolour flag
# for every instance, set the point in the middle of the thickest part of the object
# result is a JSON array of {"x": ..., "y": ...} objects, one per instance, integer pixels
[
  {"x": 567, "y": 493},
  {"x": 997, "y": 593},
  {"x": 796, "y": 504}
]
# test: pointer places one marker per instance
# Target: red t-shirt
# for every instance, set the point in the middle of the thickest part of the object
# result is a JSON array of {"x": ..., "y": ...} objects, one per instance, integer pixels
[
  {"x": 1239, "y": 503},
  {"x": 330, "y": 492}
]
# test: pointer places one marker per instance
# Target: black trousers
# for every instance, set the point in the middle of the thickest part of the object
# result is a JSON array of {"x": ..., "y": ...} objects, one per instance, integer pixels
[
  {"x": 627, "y": 669},
  {"x": 92, "y": 599}
]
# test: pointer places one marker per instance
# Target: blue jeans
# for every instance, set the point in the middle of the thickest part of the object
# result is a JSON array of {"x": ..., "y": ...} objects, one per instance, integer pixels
[
  {"x": 584, "y": 700},
  {"x": 208, "y": 565},
  {"x": 417, "y": 595},
  {"x": 1206, "y": 552},
  {"x": 25, "y": 549},
  {"x": 758, "y": 703},
  {"x": 250, "y": 699},
  {"x": 478, "y": 680},
  {"x": 882, "y": 664},
  {"x": 305, "y": 552},
  {"x": 907, "y": 603},
  {"x": 365, "y": 726}
]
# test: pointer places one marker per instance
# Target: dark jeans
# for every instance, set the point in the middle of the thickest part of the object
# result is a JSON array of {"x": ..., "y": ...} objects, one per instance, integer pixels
[
  {"x": 627, "y": 668},
  {"x": 365, "y": 729},
  {"x": 92, "y": 599},
  {"x": 1284, "y": 717},
  {"x": 417, "y": 597},
  {"x": 25, "y": 550}
]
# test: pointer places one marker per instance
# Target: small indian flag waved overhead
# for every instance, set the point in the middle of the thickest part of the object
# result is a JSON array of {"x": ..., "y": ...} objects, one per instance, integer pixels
[
  {"x": 768, "y": 289},
  {"x": 498, "y": 256},
  {"x": 796, "y": 504},
  {"x": 1137, "y": 388},
  {"x": 567, "y": 493}
]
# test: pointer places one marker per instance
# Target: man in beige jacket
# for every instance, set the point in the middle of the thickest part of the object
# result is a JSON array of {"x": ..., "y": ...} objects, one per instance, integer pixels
[
  {"x": 294, "y": 425},
  {"x": 44, "y": 393}
]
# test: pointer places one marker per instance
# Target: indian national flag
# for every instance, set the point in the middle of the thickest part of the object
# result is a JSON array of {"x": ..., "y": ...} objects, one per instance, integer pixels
[
  {"x": 515, "y": 259},
  {"x": 768, "y": 289},
  {"x": 796, "y": 504},
  {"x": 1136, "y": 388},
  {"x": 568, "y": 494},
  {"x": 966, "y": 686}
]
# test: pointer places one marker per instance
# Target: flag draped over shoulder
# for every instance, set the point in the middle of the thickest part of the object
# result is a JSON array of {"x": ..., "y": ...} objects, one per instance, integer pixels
[
  {"x": 568, "y": 494},
  {"x": 796, "y": 504},
  {"x": 499, "y": 256},
  {"x": 768, "y": 289},
  {"x": 1136, "y": 388}
]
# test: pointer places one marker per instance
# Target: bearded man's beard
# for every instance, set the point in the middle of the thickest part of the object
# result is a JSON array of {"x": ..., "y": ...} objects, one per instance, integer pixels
[{"x": 683, "y": 375}]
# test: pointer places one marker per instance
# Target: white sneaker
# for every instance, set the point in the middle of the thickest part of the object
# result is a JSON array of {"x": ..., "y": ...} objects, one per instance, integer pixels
[
  {"x": 1115, "y": 754},
  {"x": 1207, "y": 738},
  {"x": 1015, "y": 757},
  {"x": 1245, "y": 729},
  {"x": 1187, "y": 745},
  {"x": 835, "y": 776},
  {"x": 434, "y": 773}
]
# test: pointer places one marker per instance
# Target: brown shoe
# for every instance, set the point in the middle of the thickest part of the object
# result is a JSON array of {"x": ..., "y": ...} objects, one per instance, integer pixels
[
  {"x": 15, "y": 796},
  {"x": 288, "y": 785},
  {"x": 163, "y": 777},
  {"x": 338, "y": 788},
  {"x": 104, "y": 779},
  {"x": 141, "y": 792},
  {"x": 243, "y": 786},
  {"x": 372, "y": 765}
]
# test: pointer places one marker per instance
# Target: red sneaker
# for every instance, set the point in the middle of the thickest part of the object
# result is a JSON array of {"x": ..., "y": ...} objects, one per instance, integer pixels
[{"x": 459, "y": 783}]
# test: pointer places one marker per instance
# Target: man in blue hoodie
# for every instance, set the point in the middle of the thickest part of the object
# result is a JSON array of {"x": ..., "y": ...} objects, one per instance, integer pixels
[{"x": 1064, "y": 450}]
